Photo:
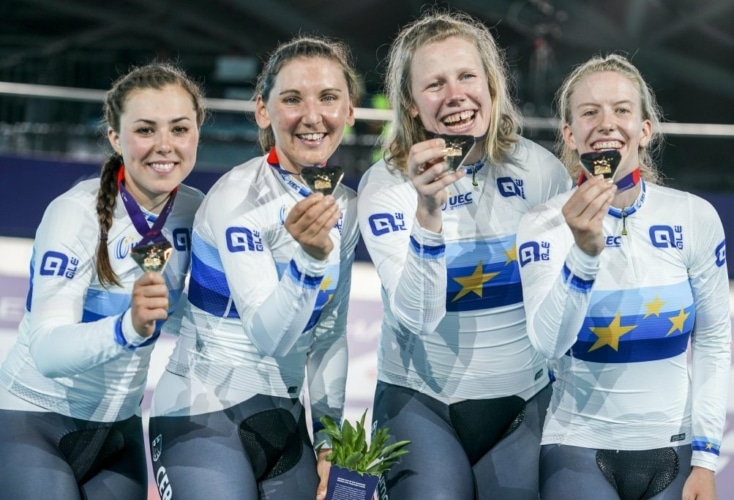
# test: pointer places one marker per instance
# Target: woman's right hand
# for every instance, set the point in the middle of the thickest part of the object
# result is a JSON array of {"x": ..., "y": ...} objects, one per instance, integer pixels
[
  {"x": 430, "y": 175},
  {"x": 149, "y": 303},
  {"x": 310, "y": 221},
  {"x": 584, "y": 213}
]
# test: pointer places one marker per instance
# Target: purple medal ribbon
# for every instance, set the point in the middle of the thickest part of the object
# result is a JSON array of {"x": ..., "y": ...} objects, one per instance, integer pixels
[{"x": 150, "y": 234}]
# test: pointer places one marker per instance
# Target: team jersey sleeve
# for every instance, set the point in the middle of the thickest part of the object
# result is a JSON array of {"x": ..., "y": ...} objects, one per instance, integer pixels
[
  {"x": 410, "y": 260},
  {"x": 62, "y": 270},
  {"x": 711, "y": 338},
  {"x": 557, "y": 278},
  {"x": 274, "y": 311},
  {"x": 327, "y": 360}
]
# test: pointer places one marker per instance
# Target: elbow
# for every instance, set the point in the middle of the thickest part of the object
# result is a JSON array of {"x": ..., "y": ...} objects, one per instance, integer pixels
[
  {"x": 45, "y": 364},
  {"x": 420, "y": 326},
  {"x": 544, "y": 349}
]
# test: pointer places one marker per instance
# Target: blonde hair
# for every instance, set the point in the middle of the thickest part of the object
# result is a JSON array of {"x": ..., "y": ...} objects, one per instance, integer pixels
[
  {"x": 504, "y": 126},
  {"x": 650, "y": 111}
]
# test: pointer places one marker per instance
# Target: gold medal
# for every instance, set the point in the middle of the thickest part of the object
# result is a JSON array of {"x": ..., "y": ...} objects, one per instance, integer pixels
[
  {"x": 152, "y": 257},
  {"x": 322, "y": 179}
]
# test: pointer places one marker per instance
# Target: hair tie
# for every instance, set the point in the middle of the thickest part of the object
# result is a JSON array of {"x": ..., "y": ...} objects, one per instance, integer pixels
[{"x": 103, "y": 236}]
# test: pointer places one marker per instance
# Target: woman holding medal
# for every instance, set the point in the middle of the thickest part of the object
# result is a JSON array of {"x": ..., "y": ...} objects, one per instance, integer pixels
[
  {"x": 618, "y": 276},
  {"x": 457, "y": 375},
  {"x": 268, "y": 299},
  {"x": 71, "y": 387}
]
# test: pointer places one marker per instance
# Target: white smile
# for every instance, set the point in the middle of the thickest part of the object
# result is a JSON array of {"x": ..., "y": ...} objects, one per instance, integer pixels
[
  {"x": 312, "y": 137},
  {"x": 162, "y": 167},
  {"x": 600, "y": 145}
]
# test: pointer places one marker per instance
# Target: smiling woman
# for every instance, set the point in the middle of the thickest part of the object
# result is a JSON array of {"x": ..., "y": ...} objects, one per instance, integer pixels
[
  {"x": 620, "y": 278},
  {"x": 268, "y": 300},
  {"x": 457, "y": 374},
  {"x": 72, "y": 385}
]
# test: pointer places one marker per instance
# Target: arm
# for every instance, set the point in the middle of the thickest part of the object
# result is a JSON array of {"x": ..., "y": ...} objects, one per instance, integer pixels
[
  {"x": 711, "y": 337},
  {"x": 558, "y": 251},
  {"x": 63, "y": 268},
  {"x": 410, "y": 260},
  {"x": 326, "y": 366},
  {"x": 274, "y": 310}
]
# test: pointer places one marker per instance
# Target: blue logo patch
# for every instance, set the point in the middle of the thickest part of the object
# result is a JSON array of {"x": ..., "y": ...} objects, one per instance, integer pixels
[
  {"x": 721, "y": 254},
  {"x": 509, "y": 187},
  {"x": 385, "y": 223},
  {"x": 533, "y": 251},
  {"x": 666, "y": 237},
  {"x": 182, "y": 239},
  {"x": 458, "y": 200},
  {"x": 58, "y": 264},
  {"x": 123, "y": 247},
  {"x": 613, "y": 241},
  {"x": 240, "y": 239}
]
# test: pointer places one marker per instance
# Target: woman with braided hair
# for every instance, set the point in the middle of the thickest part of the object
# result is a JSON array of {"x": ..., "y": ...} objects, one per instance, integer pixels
[{"x": 71, "y": 387}]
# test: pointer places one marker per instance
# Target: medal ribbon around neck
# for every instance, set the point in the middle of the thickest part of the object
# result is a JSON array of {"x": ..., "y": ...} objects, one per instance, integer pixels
[
  {"x": 150, "y": 234},
  {"x": 627, "y": 182},
  {"x": 286, "y": 175}
]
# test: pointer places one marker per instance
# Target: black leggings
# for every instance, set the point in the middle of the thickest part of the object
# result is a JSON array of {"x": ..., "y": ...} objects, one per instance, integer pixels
[
  {"x": 475, "y": 449},
  {"x": 572, "y": 472},
  {"x": 258, "y": 449},
  {"x": 51, "y": 456}
]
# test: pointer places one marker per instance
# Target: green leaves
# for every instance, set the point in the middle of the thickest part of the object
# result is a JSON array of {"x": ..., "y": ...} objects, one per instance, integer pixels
[{"x": 351, "y": 451}]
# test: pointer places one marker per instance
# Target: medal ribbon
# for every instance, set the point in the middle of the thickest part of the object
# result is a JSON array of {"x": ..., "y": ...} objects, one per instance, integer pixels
[
  {"x": 286, "y": 175},
  {"x": 149, "y": 234},
  {"x": 627, "y": 182}
]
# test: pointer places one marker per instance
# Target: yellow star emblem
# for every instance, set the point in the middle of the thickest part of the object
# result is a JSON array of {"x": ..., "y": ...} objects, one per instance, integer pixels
[
  {"x": 511, "y": 254},
  {"x": 474, "y": 282},
  {"x": 325, "y": 286},
  {"x": 678, "y": 321},
  {"x": 653, "y": 307},
  {"x": 709, "y": 446},
  {"x": 610, "y": 335},
  {"x": 325, "y": 283}
]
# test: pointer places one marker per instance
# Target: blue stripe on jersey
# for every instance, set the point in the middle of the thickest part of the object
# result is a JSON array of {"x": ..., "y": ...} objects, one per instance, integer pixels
[
  {"x": 701, "y": 443},
  {"x": 29, "y": 296},
  {"x": 428, "y": 251},
  {"x": 482, "y": 274},
  {"x": 89, "y": 315},
  {"x": 208, "y": 289},
  {"x": 636, "y": 325},
  {"x": 103, "y": 303},
  {"x": 574, "y": 282},
  {"x": 327, "y": 288},
  {"x": 205, "y": 252},
  {"x": 305, "y": 279}
]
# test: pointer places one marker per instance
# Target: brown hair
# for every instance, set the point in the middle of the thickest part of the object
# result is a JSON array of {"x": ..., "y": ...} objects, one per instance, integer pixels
[
  {"x": 306, "y": 47},
  {"x": 650, "y": 111},
  {"x": 504, "y": 126},
  {"x": 151, "y": 76}
]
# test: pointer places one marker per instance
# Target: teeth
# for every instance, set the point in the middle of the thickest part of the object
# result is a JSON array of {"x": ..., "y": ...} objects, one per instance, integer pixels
[
  {"x": 607, "y": 145},
  {"x": 162, "y": 167},
  {"x": 464, "y": 115},
  {"x": 312, "y": 137}
]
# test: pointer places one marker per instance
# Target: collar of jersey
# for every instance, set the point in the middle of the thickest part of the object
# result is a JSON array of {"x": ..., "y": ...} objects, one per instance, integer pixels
[
  {"x": 286, "y": 175},
  {"x": 617, "y": 212}
]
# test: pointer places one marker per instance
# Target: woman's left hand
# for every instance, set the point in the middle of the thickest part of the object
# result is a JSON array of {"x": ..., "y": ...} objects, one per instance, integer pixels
[
  {"x": 322, "y": 467},
  {"x": 700, "y": 485}
]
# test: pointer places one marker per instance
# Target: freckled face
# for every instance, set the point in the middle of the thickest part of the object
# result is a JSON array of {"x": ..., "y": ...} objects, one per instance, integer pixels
[
  {"x": 606, "y": 113},
  {"x": 450, "y": 88},
  {"x": 308, "y": 109},
  {"x": 158, "y": 140}
]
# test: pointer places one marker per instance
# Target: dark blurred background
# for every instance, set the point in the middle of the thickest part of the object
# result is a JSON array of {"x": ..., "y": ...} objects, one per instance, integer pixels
[{"x": 50, "y": 137}]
